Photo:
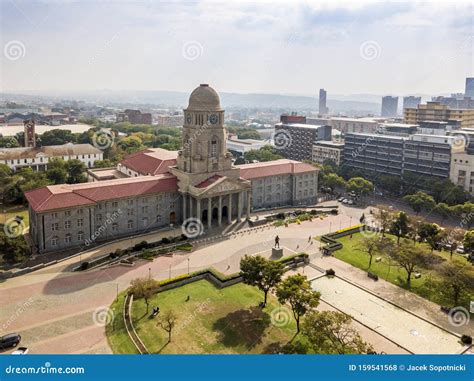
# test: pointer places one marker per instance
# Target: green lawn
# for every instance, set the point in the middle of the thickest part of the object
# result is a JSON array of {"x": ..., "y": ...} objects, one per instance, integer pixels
[
  {"x": 13, "y": 211},
  {"x": 428, "y": 286},
  {"x": 213, "y": 320}
]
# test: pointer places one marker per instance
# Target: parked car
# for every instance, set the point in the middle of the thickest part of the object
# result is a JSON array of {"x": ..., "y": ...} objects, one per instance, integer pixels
[
  {"x": 340, "y": 199},
  {"x": 350, "y": 202},
  {"x": 460, "y": 250},
  {"x": 345, "y": 201},
  {"x": 10, "y": 341},
  {"x": 20, "y": 351}
]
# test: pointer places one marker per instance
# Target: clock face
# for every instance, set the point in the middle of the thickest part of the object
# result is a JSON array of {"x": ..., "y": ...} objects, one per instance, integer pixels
[
  {"x": 213, "y": 118},
  {"x": 189, "y": 118}
]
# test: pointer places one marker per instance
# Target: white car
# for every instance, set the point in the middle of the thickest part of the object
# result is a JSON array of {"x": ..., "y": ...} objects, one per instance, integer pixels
[
  {"x": 460, "y": 250},
  {"x": 20, "y": 351},
  {"x": 345, "y": 201}
]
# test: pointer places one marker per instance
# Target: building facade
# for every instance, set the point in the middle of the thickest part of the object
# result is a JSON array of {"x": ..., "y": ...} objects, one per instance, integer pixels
[
  {"x": 38, "y": 157},
  {"x": 389, "y": 106},
  {"x": 411, "y": 102},
  {"x": 323, "y": 151},
  {"x": 323, "y": 108},
  {"x": 163, "y": 188},
  {"x": 436, "y": 111}
]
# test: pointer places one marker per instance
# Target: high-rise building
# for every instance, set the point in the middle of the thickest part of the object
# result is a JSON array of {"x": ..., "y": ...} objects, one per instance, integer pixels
[
  {"x": 389, "y": 106},
  {"x": 411, "y": 101},
  {"x": 323, "y": 110},
  {"x": 469, "y": 92}
]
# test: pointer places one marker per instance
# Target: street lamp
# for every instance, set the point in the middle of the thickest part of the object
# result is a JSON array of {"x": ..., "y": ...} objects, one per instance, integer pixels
[
  {"x": 149, "y": 273},
  {"x": 188, "y": 266},
  {"x": 170, "y": 273}
]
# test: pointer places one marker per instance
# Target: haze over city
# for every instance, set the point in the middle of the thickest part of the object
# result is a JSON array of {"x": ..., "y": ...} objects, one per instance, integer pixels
[{"x": 278, "y": 47}]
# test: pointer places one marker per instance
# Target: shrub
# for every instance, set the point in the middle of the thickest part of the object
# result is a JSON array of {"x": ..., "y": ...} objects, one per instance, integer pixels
[
  {"x": 118, "y": 252},
  {"x": 372, "y": 275},
  {"x": 84, "y": 266},
  {"x": 140, "y": 246},
  {"x": 330, "y": 272},
  {"x": 466, "y": 339},
  {"x": 165, "y": 241},
  {"x": 280, "y": 216}
]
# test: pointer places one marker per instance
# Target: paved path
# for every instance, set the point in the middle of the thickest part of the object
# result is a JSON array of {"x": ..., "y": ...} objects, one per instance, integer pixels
[{"x": 58, "y": 311}]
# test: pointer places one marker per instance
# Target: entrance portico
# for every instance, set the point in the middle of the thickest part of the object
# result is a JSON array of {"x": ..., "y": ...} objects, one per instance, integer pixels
[{"x": 217, "y": 209}]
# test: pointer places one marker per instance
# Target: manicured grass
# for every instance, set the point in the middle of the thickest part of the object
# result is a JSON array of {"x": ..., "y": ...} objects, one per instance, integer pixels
[
  {"x": 13, "y": 211},
  {"x": 213, "y": 320},
  {"x": 428, "y": 286},
  {"x": 116, "y": 332}
]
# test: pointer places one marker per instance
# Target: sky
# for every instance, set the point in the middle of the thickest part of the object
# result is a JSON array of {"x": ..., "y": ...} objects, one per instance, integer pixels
[{"x": 285, "y": 47}]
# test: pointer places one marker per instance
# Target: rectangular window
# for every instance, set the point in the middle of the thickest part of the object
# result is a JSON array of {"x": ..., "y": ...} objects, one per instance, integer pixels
[
  {"x": 80, "y": 222},
  {"x": 67, "y": 224},
  {"x": 55, "y": 227}
]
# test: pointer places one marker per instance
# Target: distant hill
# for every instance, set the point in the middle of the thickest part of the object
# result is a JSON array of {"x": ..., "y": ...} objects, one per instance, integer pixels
[{"x": 228, "y": 100}]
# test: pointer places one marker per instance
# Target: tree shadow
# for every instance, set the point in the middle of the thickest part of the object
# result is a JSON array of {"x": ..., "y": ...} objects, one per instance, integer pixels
[
  {"x": 163, "y": 347},
  {"x": 294, "y": 348},
  {"x": 242, "y": 327}
]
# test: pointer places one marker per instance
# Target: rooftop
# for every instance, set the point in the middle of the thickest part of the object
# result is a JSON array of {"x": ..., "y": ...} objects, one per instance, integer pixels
[
  {"x": 272, "y": 168},
  {"x": 67, "y": 149},
  {"x": 152, "y": 161},
  {"x": 62, "y": 196}
]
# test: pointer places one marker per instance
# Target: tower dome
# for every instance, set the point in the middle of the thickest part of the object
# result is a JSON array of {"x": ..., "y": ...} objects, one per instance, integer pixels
[{"x": 204, "y": 98}]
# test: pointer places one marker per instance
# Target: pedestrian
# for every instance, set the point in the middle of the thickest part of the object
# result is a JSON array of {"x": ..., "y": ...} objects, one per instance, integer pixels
[{"x": 309, "y": 239}]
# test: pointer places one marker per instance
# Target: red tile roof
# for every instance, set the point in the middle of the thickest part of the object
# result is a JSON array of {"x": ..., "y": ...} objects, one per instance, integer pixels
[
  {"x": 209, "y": 181},
  {"x": 273, "y": 168},
  {"x": 152, "y": 161},
  {"x": 72, "y": 195}
]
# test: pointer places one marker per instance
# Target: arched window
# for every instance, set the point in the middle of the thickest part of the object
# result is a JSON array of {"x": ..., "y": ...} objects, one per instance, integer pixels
[
  {"x": 54, "y": 241},
  {"x": 214, "y": 143}
]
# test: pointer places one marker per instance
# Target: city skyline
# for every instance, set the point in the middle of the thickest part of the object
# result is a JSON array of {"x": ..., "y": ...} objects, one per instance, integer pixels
[{"x": 345, "y": 47}]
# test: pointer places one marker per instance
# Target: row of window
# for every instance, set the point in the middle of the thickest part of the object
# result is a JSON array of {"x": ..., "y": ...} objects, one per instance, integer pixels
[
  {"x": 80, "y": 223},
  {"x": 32, "y": 161}
]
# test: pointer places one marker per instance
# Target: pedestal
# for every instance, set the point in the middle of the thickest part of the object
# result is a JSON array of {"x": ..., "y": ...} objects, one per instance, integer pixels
[{"x": 276, "y": 252}]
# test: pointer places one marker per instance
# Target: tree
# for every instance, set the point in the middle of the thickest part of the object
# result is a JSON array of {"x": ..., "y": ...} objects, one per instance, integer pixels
[
  {"x": 297, "y": 292},
  {"x": 57, "y": 172},
  {"x": 76, "y": 171},
  {"x": 332, "y": 180},
  {"x": 266, "y": 153},
  {"x": 13, "y": 249},
  {"x": 384, "y": 217},
  {"x": 431, "y": 233},
  {"x": 167, "y": 322},
  {"x": 400, "y": 225},
  {"x": 373, "y": 245},
  {"x": 456, "y": 280},
  {"x": 359, "y": 186},
  {"x": 420, "y": 201},
  {"x": 260, "y": 272},
  {"x": 57, "y": 137},
  {"x": 410, "y": 258},
  {"x": 143, "y": 288},
  {"x": 452, "y": 237},
  {"x": 444, "y": 210},
  {"x": 468, "y": 241},
  {"x": 106, "y": 163},
  {"x": 331, "y": 332}
]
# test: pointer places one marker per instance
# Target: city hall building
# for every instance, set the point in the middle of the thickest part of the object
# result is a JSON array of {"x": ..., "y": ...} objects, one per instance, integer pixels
[{"x": 156, "y": 188}]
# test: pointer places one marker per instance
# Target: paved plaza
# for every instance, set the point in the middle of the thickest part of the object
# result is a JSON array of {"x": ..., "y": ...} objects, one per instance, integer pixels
[
  {"x": 409, "y": 331},
  {"x": 59, "y": 311}
]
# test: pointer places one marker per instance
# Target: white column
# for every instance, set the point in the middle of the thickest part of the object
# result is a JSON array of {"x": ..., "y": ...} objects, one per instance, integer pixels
[
  {"x": 191, "y": 215},
  {"x": 209, "y": 212},
  {"x": 219, "y": 212},
  {"x": 184, "y": 207},
  {"x": 198, "y": 209},
  {"x": 229, "y": 212},
  {"x": 248, "y": 204},
  {"x": 239, "y": 206}
]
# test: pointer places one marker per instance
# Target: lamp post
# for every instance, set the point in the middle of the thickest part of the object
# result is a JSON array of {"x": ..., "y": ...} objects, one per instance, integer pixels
[
  {"x": 169, "y": 276},
  {"x": 149, "y": 273},
  {"x": 188, "y": 266}
]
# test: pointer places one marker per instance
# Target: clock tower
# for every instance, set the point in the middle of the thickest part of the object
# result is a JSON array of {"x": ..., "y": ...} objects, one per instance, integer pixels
[{"x": 204, "y": 136}]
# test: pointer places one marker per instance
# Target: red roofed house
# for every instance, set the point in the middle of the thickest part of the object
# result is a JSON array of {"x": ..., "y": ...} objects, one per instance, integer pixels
[{"x": 154, "y": 188}]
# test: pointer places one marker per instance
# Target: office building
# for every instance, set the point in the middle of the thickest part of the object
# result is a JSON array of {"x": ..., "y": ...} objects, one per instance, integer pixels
[
  {"x": 326, "y": 150},
  {"x": 469, "y": 90},
  {"x": 323, "y": 110},
  {"x": 411, "y": 102},
  {"x": 436, "y": 111},
  {"x": 389, "y": 106}
]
